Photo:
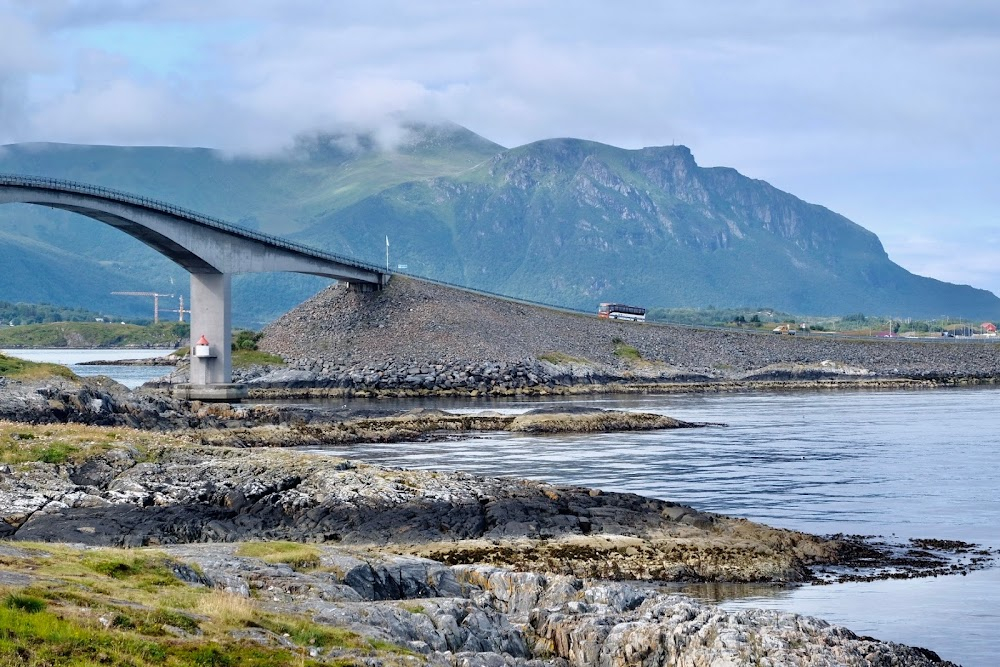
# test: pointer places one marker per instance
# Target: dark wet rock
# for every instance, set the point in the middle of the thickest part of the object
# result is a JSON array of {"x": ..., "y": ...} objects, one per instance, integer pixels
[
  {"x": 178, "y": 495},
  {"x": 183, "y": 495}
]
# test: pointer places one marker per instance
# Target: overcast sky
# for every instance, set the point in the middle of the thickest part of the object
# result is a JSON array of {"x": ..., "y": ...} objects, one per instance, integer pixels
[{"x": 883, "y": 110}]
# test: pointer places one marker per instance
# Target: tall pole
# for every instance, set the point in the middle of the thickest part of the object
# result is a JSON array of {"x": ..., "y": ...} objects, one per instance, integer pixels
[
  {"x": 156, "y": 309},
  {"x": 387, "y": 254}
]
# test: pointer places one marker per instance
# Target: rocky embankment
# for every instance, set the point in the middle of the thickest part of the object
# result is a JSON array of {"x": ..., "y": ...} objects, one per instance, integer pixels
[
  {"x": 417, "y": 611},
  {"x": 415, "y": 337},
  {"x": 474, "y": 602}
]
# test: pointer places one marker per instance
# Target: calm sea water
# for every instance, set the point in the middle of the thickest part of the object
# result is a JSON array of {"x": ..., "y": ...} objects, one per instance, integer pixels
[
  {"x": 893, "y": 463},
  {"x": 130, "y": 376}
]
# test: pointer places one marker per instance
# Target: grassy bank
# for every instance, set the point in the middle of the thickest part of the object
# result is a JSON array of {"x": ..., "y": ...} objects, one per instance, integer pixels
[
  {"x": 94, "y": 334},
  {"x": 119, "y": 607},
  {"x": 19, "y": 369}
]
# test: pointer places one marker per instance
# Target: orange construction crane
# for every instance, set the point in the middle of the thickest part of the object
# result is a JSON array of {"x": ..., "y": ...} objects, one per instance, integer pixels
[{"x": 156, "y": 302}]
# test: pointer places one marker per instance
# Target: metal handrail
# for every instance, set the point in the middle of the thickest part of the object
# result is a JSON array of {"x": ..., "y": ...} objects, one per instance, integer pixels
[{"x": 178, "y": 211}]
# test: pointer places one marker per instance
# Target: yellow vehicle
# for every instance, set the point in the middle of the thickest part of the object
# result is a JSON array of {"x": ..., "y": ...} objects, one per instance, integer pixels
[{"x": 783, "y": 329}]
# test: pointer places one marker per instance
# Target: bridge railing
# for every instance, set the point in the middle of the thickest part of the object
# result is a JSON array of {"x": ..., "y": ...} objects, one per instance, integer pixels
[
  {"x": 506, "y": 297},
  {"x": 192, "y": 216}
]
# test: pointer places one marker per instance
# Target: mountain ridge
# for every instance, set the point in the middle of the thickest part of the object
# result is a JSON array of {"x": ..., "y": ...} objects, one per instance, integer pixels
[
  {"x": 702, "y": 236},
  {"x": 558, "y": 220}
]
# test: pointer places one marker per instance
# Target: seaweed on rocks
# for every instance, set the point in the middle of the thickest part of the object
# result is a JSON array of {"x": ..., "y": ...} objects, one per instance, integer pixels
[{"x": 872, "y": 558}]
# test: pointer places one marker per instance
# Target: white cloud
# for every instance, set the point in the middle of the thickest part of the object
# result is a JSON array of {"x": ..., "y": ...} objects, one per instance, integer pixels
[{"x": 866, "y": 106}]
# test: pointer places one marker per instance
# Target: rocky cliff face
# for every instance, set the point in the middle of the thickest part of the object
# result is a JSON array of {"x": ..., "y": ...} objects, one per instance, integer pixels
[{"x": 575, "y": 223}]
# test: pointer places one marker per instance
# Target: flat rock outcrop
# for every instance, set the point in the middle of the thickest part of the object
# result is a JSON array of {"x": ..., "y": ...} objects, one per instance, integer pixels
[
  {"x": 127, "y": 497},
  {"x": 460, "y": 570}
]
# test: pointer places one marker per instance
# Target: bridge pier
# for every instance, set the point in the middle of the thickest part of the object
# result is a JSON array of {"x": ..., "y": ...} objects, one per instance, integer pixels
[
  {"x": 211, "y": 314},
  {"x": 211, "y": 317},
  {"x": 210, "y": 249}
]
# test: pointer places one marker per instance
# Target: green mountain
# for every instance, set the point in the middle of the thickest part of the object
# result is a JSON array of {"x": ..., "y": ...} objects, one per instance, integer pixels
[
  {"x": 575, "y": 223},
  {"x": 37, "y": 272},
  {"x": 560, "y": 221}
]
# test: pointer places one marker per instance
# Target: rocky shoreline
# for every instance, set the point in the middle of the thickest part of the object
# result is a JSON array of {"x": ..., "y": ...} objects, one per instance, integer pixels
[
  {"x": 304, "y": 379},
  {"x": 456, "y": 569},
  {"x": 418, "y": 339},
  {"x": 417, "y": 611}
]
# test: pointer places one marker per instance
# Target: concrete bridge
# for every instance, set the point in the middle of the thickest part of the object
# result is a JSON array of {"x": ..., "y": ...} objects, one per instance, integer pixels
[{"x": 211, "y": 250}]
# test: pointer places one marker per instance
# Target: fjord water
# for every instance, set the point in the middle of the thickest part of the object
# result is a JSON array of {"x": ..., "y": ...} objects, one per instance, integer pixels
[
  {"x": 902, "y": 464},
  {"x": 130, "y": 376}
]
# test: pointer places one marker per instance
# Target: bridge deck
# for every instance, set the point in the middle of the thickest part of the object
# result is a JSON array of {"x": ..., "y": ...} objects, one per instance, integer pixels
[{"x": 73, "y": 187}]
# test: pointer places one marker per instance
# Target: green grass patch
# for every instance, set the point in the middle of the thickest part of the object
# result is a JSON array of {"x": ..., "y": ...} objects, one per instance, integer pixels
[
  {"x": 57, "y": 443},
  {"x": 560, "y": 358},
  {"x": 307, "y": 633},
  {"x": 20, "y": 369},
  {"x": 73, "y": 639},
  {"x": 94, "y": 334},
  {"x": 116, "y": 607},
  {"x": 56, "y": 453},
  {"x": 254, "y": 357},
  {"x": 26, "y": 603},
  {"x": 145, "y": 570},
  {"x": 625, "y": 351},
  {"x": 298, "y": 556}
]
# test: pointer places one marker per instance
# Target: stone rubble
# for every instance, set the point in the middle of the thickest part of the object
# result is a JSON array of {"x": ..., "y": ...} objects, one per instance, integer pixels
[{"x": 416, "y": 338}]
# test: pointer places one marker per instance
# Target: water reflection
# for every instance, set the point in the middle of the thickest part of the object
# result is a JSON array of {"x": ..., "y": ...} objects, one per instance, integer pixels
[{"x": 714, "y": 592}]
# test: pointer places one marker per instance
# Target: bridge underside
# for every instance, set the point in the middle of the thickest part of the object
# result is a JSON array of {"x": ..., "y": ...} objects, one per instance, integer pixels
[{"x": 211, "y": 251}]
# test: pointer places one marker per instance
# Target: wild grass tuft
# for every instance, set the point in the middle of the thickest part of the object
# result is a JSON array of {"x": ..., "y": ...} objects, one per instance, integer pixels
[
  {"x": 625, "y": 351},
  {"x": 148, "y": 571},
  {"x": 560, "y": 358},
  {"x": 68, "y": 443},
  {"x": 243, "y": 358},
  {"x": 25, "y": 603},
  {"x": 298, "y": 556},
  {"x": 56, "y": 453},
  {"x": 226, "y": 608}
]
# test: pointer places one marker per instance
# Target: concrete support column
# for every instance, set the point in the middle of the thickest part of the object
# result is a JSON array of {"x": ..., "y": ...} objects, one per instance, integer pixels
[{"x": 211, "y": 315}]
